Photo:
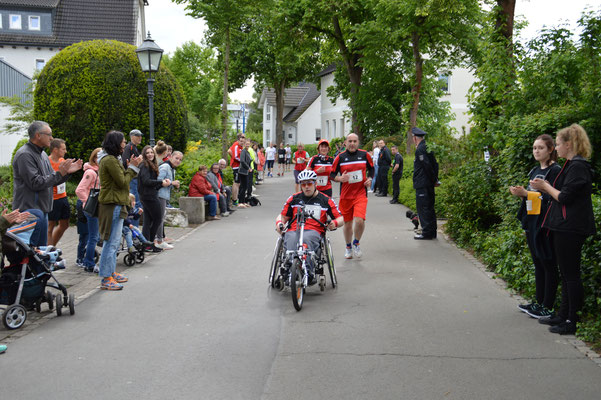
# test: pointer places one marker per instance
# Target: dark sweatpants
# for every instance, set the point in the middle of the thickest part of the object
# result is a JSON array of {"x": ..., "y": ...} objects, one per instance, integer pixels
[
  {"x": 424, "y": 199},
  {"x": 546, "y": 276},
  {"x": 568, "y": 249},
  {"x": 152, "y": 218},
  {"x": 382, "y": 180}
]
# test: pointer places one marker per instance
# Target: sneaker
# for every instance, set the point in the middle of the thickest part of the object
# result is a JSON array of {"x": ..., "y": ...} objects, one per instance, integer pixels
[
  {"x": 348, "y": 253},
  {"x": 526, "y": 307},
  {"x": 110, "y": 284},
  {"x": 96, "y": 269},
  {"x": 565, "y": 328},
  {"x": 225, "y": 214},
  {"x": 164, "y": 245},
  {"x": 168, "y": 240},
  {"x": 131, "y": 250},
  {"x": 79, "y": 263},
  {"x": 357, "y": 251},
  {"x": 552, "y": 320},
  {"x": 119, "y": 278},
  {"x": 215, "y": 218},
  {"x": 153, "y": 249},
  {"x": 537, "y": 311},
  {"x": 370, "y": 191}
]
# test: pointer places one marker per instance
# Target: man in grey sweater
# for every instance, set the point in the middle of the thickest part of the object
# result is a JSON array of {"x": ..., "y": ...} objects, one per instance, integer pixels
[{"x": 34, "y": 178}]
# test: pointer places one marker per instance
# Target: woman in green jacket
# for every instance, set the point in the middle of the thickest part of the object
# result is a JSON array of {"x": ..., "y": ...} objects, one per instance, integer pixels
[{"x": 112, "y": 205}]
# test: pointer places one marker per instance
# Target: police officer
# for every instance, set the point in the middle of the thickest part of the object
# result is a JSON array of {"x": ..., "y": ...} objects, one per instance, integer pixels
[{"x": 425, "y": 178}]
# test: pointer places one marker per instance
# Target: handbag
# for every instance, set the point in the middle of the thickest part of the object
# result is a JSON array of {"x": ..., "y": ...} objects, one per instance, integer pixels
[{"x": 91, "y": 206}]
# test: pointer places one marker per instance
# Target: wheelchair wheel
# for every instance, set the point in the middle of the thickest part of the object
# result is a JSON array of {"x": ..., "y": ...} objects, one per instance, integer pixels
[
  {"x": 14, "y": 316},
  {"x": 140, "y": 257},
  {"x": 296, "y": 285},
  {"x": 129, "y": 260},
  {"x": 330, "y": 260},
  {"x": 276, "y": 262},
  {"x": 71, "y": 304}
]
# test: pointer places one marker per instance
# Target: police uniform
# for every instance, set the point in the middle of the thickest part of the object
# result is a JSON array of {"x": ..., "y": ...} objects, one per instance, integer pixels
[{"x": 425, "y": 177}]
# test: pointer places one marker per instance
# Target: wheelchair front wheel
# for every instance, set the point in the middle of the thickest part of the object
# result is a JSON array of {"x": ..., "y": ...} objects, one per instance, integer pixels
[
  {"x": 296, "y": 284},
  {"x": 276, "y": 262}
]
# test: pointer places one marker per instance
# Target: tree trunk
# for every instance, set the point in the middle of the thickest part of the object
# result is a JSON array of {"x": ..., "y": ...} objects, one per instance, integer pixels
[
  {"x": 505, "y": 16},
  {"x": 224, "y": 113},
  {"x": 279, "y": 88},
  {"x": 419, "y": 73},
  {"x": 355, "y": 72}
]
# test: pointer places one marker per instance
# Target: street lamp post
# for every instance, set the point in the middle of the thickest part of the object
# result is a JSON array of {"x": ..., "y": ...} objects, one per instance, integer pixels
[{"x": 149, "y": 54}]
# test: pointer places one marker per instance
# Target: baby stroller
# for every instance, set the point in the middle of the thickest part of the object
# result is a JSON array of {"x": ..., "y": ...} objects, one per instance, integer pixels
[
  {"x": 26, "y": 276},
  {"x": 137, "y": 256}
]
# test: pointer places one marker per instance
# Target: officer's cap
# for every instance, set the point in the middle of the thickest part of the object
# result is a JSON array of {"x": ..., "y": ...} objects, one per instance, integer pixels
[
  {"x": 135, "y": 132},
  {"x": 418, "y": 132}
]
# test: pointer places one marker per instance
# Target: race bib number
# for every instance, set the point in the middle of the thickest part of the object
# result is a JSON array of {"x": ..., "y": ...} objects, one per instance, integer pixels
[
  {"x": 62, "y": 188},
  {"x": 355, "y": 176},
  {"x": 322, "y": 180},
  {"x": 313, "y": 210},
  {"x": 299, "y": 160}
]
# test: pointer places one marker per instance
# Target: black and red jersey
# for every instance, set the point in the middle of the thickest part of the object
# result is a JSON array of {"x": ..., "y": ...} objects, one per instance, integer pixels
[
  {"x": 359, "y": 166},
  {"x": 319, "y": 204},
  {"x": 323, "y": 178},
  {"x": 236, "y": 149}
]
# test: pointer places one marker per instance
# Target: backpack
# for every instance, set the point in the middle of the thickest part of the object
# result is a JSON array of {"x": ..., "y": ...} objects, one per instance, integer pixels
[{"x": 253, "y": 201}]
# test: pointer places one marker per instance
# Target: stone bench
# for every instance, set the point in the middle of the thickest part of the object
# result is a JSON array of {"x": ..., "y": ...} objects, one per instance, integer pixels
[
  {"x": 176, "y": 217},
  {"x": 194, "y": 207}
]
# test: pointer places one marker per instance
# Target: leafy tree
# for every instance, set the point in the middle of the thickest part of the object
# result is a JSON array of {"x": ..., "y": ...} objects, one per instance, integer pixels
[
  {"x": 92, "y": 87},
  {"x": 226, "y": 21}
]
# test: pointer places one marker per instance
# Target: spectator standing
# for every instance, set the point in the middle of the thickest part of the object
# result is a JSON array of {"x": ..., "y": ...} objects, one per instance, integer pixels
[
  {"x": 112, "y": 207},
  {"x": 261, "y": 164},
  {"x": 167, "y": 171},
  {"x": 161, "y": 151},
  {"x": 270, "y": 152},
  {"x": 384, "y": 160},
  {"x": 131, "y": 150},
  {"x": 234, "y": 152},
  {"x": 425, "y": 179},
  {"x": 300, "y": 160},
  {"x": 201, "y": 187},
  {"x": 148, "y": 187},
  {"x": 34, "y": 178},
  {"x": 253, "y": 166},
  {"x": 227, "y": 189},
  {"x": 90, "y": 180},
  {"x": 58, "y": 218},
  {"x": 288, "y": 157},
  {"x": 217, "y": 185},
  {"x": 245, "y": 173},
  {"x": 167, "y": 155},
  {"x": 281, "y": 160},
  {"x": 375, "y": 154},
  {"x": 571, "y": 220},
  {"x": 397, "y": 174}
]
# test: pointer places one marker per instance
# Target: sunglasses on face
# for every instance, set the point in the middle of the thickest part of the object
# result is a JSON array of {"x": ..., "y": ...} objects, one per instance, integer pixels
[{"x": 306, "y": 184}]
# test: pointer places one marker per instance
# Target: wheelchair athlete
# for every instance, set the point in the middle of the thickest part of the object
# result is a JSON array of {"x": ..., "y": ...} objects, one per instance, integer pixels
[{"x": 319, "y": 205}]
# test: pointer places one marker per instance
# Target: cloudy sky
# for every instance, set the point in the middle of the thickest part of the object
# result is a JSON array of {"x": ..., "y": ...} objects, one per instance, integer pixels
[{"x": 170, "y": 27}]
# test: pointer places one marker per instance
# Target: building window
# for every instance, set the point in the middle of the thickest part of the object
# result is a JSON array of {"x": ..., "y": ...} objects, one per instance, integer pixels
[
  {"x": 268, "y": 115},
  {"x": 327, "y": 129},
  {"x": 317, "y": 134},
  {"x": 15, "y": 21},
  {"x": 443, "y": 80},
  {"x": 333, "y": 128},
  {"x": 268, "y": 135},
  {"x": 39, "y": 64},
  {"x": 0, "y": 21},
  {"x": 342, "y": 127},
  {"x": 34, "y": 23}
]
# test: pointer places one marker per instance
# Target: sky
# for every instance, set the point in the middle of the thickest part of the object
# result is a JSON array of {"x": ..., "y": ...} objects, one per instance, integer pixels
[{"x": 170, "y": 27}]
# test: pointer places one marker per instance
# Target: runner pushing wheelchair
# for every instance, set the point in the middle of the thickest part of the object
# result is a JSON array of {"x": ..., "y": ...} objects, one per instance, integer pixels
[{"x": 304, "y": 217}]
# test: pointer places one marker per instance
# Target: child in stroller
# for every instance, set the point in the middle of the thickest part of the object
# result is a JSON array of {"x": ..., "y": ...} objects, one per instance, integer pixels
[
  {"x": 29, "y": 269},
  {"x": 135, "y": 242}
]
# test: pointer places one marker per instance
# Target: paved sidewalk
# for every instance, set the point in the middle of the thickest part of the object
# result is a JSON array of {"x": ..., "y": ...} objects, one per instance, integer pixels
[{"x": 82, "y": 284}]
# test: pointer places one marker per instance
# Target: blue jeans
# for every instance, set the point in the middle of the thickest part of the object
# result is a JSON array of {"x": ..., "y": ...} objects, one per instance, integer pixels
[
  {"x": 39, "y": 236},
  {"x": 373, "y": 181},
  {"x": 82, "y": 230},
  {"x": 108, "y": 257},
  {"x": 133, "y": 189},
  {"x": 212, "y": 204},
  {"x": 93, "y": 237},
  {"x": 127, "y": 234}
]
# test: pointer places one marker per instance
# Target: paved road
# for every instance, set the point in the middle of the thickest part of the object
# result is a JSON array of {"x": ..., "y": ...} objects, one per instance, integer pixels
[{"x": 411, "y": 320}]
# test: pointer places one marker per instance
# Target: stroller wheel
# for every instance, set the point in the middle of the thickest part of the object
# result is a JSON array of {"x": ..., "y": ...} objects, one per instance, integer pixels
[
  {"x": 14, "y": 316},
  {"x": 129, "y": 260},
  {"x": 50, "y": 300},
  {"x": 59, "y": 305},
  {"x": 140, "y": 256},
  {"x": 71, "y": 304}
]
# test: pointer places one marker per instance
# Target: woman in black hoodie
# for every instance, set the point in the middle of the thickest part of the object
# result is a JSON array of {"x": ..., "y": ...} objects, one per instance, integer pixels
[
  {"x": 570, "y": 219},
  {"x": 148, "y": 189}
]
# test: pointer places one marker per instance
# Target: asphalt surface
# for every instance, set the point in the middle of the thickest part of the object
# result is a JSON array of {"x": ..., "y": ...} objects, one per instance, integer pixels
[{"x": 411, "y": 320}]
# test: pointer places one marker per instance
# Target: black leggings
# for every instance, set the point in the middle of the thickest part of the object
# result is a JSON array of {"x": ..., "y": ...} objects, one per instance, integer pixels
[
  {"x": 152, "y": 218},
  {"x": 568, "y": 249},
  {"x": 545, "y": 276},
  {"x": 242, "y": 192}
]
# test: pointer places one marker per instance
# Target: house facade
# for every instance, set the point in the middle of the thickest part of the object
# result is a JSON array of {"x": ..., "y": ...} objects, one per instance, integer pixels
[{"x": 33, "y": 31}]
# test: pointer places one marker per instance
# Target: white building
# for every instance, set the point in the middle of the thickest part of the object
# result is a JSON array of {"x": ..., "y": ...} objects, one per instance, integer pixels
[
  {"x": 458, "y": 83},
  {"x": 33, "y": 31}
]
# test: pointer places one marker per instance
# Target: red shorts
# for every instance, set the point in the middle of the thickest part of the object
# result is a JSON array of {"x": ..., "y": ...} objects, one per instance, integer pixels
[{"x": 353, "y": 208}]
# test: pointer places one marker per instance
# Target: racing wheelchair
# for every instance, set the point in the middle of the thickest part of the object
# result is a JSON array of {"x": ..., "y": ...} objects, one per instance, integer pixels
[{"x": 289, "y": 268}]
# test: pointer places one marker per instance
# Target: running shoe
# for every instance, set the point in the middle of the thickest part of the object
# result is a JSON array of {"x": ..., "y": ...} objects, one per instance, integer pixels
[
  {"x": 552, "y": 320},
  {"x": 119, "y": 278},
  {"x": 565, "y": 328},
  {"x": 357, "y": 251},
  {"x": 537, "y": 311},
  {"x": 110, "y": 284},
  {"x": 348, "y": 253},
  {"x": 526, "y": 307},
  {"x": 164, "y": 245}
]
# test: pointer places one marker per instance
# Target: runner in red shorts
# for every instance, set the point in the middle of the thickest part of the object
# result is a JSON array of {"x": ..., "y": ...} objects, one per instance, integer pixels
[{"x": 354, "y": 168}]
